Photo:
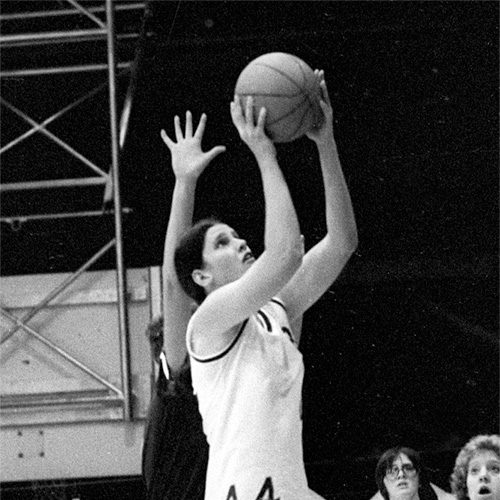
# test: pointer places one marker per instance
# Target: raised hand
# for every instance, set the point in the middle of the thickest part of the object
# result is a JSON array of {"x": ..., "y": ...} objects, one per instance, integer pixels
[
  {"x": 252, "y": 134},
  {"x": 324, "y": 132},
  {"x": 188, "y": 159}
]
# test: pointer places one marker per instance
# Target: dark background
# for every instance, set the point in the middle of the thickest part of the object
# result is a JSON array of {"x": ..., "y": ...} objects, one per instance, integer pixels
[{"x": 403, "y": 349}]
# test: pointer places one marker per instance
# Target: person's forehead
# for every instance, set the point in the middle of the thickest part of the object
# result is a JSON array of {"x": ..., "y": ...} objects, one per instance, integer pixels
[
  {"x": 402, "y": 458},
  {"x": 484, "y": 455},
  {"x": 218, "y": 229}
]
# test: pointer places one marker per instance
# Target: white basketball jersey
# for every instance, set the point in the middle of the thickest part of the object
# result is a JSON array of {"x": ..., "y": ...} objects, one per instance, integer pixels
[{"x": 249, "y": 396}]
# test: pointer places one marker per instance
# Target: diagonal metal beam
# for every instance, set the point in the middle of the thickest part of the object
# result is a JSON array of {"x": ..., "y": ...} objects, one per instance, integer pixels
[
  {"x": 87, "y": 13},
  {"x": 56, "y": 291},
  {"x": 52, "y": 136},
  {"x": 52, "y": 118},
  {"x": 61, "y": 352}
]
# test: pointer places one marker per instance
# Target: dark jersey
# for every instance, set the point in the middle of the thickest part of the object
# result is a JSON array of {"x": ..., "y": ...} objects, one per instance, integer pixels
[{"x": 175, "y": 450}]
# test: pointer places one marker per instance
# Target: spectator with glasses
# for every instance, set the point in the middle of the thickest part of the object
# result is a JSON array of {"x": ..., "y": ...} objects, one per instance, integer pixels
[{"x": 400, "y": 475}]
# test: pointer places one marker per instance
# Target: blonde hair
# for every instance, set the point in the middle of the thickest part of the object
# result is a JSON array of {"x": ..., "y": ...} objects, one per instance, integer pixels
[{"x": 458, "y": 479}]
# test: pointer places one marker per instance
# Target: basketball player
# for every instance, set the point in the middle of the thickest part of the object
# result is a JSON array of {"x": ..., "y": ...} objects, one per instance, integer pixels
[
  {"x": 246, "y": 369},
  {"x": 175, "y": 451}
]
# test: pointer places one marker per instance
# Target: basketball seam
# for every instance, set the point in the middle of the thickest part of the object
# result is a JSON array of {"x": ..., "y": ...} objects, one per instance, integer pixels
[
  {"x": 293, "y": 110},
  {"x": 307, "y": 93},
  {"x": 288, "y": 113},
  {"x": 286, "y": 76},
  {"x": 302, "y": 91},
  {"x": 299, "y": 126}
]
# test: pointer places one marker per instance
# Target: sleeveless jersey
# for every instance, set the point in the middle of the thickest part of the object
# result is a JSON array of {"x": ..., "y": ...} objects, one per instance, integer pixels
[{"x": 249, "y": 396}]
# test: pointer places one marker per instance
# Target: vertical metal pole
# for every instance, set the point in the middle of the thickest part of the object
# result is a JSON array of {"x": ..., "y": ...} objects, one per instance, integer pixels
[{"x": 120, "y": 269}]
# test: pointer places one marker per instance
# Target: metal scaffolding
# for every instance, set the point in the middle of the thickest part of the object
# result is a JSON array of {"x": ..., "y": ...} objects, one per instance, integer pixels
[{"x": 100, "y": 15}]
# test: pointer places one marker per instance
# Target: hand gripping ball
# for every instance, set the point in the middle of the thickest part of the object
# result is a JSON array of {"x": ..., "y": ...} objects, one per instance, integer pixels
[{"x": 287, "y": 87}]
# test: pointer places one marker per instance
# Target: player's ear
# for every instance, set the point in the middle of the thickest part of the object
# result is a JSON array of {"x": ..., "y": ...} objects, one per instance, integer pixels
[{"x": 201, "y": 277}]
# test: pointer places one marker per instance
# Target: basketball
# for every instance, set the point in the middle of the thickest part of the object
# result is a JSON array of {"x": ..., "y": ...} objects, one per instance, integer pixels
[{"x": 287, "y": 87}]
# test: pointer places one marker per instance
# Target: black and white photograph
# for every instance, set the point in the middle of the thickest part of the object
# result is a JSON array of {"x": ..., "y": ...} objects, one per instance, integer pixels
[{"x": 249, "y": 250}]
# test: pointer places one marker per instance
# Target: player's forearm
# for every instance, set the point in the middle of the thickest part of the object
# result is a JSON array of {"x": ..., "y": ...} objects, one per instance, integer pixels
[
  {"x": 180, "y": 220},
  {"x": 282, "y": 232},
  {"x": 340, "y": 219},
  {"x": 175, "y": 301}
]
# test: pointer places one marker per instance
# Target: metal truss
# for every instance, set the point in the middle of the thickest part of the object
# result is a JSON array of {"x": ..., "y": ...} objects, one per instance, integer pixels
[{"x": 98, "y": 17}]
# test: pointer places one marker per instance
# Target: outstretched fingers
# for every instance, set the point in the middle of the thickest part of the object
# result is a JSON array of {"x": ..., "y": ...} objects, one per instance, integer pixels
[
  {"x": 178, "y": 130},
  {"x": 189, "y": 124},
  {"x": 166, "y": 139},
  {"x": 215, "y": 151},
  {"x": 201, "y": 127},
  {"x": 179, "y": 135}
]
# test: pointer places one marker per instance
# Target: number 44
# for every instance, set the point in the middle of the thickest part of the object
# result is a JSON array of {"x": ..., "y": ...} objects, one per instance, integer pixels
[{"x": 265, "y": 493}]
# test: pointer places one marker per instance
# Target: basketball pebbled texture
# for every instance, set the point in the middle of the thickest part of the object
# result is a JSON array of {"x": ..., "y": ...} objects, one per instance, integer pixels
[{"x": 287, "y": 87}]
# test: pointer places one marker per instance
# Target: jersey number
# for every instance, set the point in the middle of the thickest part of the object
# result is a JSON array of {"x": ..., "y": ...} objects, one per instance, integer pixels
[{"x": 265, "y": 493}]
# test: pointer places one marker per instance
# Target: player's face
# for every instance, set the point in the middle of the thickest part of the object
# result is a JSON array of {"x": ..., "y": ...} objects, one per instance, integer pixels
[
  {"x": 483, "y": 476},
  {"x": 226, "y": 256},
  {"x": 401, "y": 480}
]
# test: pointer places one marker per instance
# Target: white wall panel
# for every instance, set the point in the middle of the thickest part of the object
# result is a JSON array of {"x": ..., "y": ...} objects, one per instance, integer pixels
[{"x": 57, "y": 421}]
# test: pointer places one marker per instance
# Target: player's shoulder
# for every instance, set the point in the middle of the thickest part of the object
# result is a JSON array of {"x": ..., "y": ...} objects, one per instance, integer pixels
[
  {"x": 276, "y": 306},
  {"x": 276, "y": 309}
]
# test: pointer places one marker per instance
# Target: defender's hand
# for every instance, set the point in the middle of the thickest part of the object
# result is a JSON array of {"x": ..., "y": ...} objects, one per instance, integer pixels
[{"x": 188, "y": 159}]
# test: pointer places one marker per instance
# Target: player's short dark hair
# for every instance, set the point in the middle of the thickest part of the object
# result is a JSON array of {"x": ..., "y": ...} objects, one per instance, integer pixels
[{"x": 189, "y": 256}]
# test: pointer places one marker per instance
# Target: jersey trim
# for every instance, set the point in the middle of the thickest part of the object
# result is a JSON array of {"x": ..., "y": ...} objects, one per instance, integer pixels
[
  {"x": 263, "y": 315},
  {"x": 225, "y": 351},
  {"x": 164, "y": 365},
  {"x": 276, "y": 301}
]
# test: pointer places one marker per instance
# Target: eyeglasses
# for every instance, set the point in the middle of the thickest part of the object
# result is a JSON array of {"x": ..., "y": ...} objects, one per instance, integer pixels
[{"x": 408, "y": 470}]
